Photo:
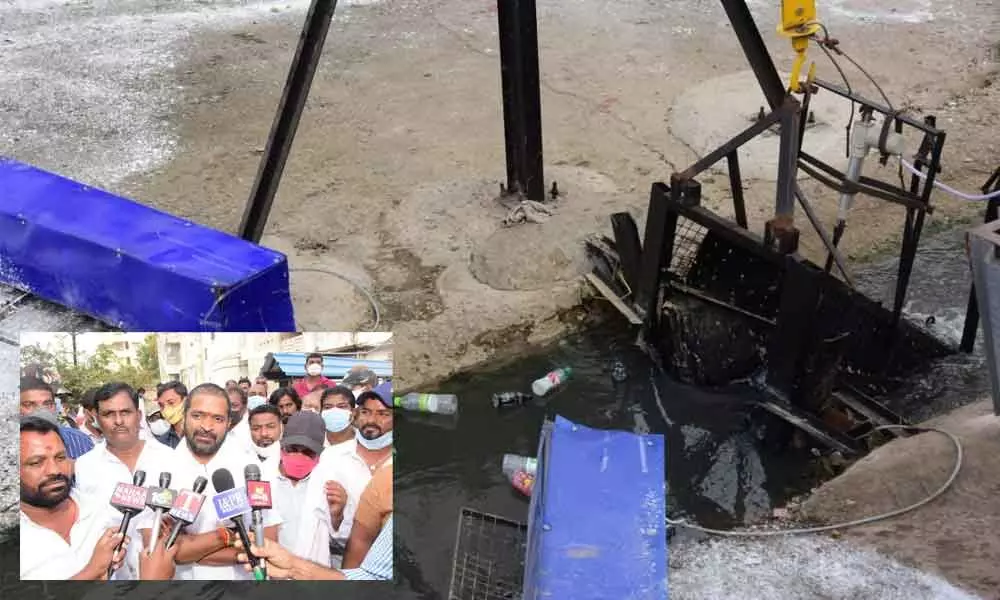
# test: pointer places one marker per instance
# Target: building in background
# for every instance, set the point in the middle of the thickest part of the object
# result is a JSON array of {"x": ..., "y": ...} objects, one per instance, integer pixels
[
  {"x": 124, "y": 346},
  {"x": 194, "y": 358}
]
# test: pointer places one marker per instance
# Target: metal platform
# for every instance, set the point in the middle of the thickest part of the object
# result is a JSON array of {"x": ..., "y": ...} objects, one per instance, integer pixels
[{"x": 489, "y": 557}]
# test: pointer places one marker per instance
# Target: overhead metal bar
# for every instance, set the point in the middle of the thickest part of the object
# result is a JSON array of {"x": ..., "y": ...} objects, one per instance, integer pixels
[{"x": 286, "y": 121}]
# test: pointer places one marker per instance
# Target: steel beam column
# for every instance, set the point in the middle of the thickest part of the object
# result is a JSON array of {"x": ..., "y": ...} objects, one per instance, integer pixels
[
  {"x": 286, "y": 121},
  {"x": 522, "y": 104},
  {"x": 984, "y": 246},
  {"x": 756, "y": 51},
  {"x": 972, "y": 311}
]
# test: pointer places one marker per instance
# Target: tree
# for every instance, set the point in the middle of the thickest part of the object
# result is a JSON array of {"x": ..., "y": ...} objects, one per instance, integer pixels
[
  {"x": 149, "y": 358},
  {"x": 96, "y": 370}
]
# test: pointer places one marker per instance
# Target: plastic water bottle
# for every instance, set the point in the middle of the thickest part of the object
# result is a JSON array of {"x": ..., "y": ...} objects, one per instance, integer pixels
[
  {"x": 440, "y": 404},
  {"x": 544, "y": 385},
  {"x": 513, "y": 463},
  {"x": 504, "y": 399}
]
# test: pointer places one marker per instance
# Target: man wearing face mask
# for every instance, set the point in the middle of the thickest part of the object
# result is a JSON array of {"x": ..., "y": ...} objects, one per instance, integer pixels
[
  {"x": 90, "y": 425},
  {"x": 265, "y": 431},
  {"x": 170, "y": 397},
  {"x": 313, "y": 401},
  {"x": 314, "y": 376},
  {"x": 37, "y": 397},
  {"x": 360, "y": 379},
  {"x": 341, "y": 477},
  {"x": 300, "y": 446},
  {"x": 114, "y": 461},
  {"x": 338, "y": 413}
]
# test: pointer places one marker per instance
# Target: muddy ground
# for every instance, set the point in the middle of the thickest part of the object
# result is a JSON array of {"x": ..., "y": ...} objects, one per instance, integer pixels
[{"x": 399, "y": 155}]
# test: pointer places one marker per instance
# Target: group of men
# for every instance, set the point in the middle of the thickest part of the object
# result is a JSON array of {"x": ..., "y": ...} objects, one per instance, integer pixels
[{"x": 325, "y": 449}]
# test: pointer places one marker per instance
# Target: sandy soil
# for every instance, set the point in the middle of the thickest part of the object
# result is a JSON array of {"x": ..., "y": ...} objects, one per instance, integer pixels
[
  {"x": 954, "y": 536},
  {"x": 400, "y": 151}
]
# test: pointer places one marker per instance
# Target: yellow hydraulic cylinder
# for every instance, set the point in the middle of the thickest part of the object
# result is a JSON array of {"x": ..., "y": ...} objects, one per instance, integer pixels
[{"x": 798, "y": 23}]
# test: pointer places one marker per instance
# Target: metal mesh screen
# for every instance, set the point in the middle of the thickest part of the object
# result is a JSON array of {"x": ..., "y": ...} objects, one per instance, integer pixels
[
  {"x": 688, "y": 238},
  {"x": 489, "y": 558}
]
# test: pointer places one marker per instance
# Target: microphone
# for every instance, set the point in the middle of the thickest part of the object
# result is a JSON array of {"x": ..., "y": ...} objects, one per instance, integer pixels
[
  {"x": 161, "y": 499},
  {"x": 259, "y": 493},
  {"x": 186, "y": 507},
  {"x": 232, "y": 503},
  {"x": 130, "y": 500}
]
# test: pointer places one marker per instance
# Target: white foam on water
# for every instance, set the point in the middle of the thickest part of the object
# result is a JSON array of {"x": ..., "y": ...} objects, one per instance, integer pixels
[{"x": 796, "y": 567}]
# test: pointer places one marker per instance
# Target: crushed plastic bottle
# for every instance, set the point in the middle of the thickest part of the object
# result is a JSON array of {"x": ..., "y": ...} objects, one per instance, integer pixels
[
  {"x": 554, "y": 379},
  {"x": 513, "y": 463},
  {"x": 440, "y": 404},
  {"x": 523, "y": 482},
  {"x": 509, "y": 399}
]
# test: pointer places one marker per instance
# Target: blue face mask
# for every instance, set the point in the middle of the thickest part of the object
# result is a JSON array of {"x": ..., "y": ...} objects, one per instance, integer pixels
[
  {"x": 382, "y": 441},
  {"x": 336, "y": 419}
]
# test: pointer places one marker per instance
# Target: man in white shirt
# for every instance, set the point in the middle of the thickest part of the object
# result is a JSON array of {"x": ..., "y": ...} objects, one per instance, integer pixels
[
  {"x": 301, "y": 446},
  {"x": 123, "y": 453},
  {"x": 239, "y": 426},
  {"x": 339, "y": 479},
  {"x": 63, "y": 534},
  {"x": 266, "y": 430},
  {"x": 338, "y": 413},
  {"x": 206, "y": 549}
]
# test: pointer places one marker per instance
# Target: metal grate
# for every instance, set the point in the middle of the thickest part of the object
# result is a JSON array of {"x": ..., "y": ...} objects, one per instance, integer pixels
[
  {"x": 688, "y": 239},
  {"x": 489, "y": 558}
]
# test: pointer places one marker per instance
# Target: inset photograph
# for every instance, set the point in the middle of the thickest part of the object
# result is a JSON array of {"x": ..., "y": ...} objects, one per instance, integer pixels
[{"x": 206, "y": 456}]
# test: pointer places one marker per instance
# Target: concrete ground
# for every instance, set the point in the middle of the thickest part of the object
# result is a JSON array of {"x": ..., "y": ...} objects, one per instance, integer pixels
[
  {"x": 953, "y": 536},
  {"x": 399, "y": 155}
]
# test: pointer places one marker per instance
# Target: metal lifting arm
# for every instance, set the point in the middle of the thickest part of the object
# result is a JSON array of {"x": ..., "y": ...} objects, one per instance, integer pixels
[{"x": 799, "y": 23}]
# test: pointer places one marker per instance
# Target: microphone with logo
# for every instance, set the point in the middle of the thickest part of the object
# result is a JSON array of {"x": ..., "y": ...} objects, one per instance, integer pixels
[
  {"x": 186, "y": 508},
  {"x": 259, "y": 493},
  {"x": 231, "y": 503},
  {"x": 161, "y": 500},
  {"x": 130, "y": 500}
]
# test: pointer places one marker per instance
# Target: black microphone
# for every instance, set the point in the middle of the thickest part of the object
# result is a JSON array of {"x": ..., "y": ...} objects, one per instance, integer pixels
[
  {"x": 186, "y": 508},
  {"x": 130, "y": 499},
  {"x": 232, "y": 503}
]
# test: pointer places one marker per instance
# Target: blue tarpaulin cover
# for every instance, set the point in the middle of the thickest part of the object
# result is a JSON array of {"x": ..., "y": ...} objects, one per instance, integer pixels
[
  {"x": 131, "y": 266},
  {"x": 597, "y": 526},
  {"x": 293, "y": 364}
]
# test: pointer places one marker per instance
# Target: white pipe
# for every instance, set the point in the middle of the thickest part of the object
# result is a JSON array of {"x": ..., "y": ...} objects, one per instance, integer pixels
[{"x": 948, "y": 188}]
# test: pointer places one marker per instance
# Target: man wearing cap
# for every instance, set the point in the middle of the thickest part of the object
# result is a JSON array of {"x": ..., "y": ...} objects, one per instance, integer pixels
[
  {"x": 37, "y": 397},
  {"x": 301, "y": 446},
  {"x": 314, "y": 376},
  {"x": 341, "y": 476},
  {"x": 360, "y": 379}
]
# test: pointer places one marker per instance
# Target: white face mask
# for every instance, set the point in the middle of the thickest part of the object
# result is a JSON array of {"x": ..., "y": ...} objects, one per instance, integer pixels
[
  {"x": 159, "y": 427},
  {"x": 268, "y": 452},
  {"x": 336, "y": 419},
  {"x": 255, "y": 401},
  {"x": 382, "y": 441},
  {"x": 314, "y": 370}
]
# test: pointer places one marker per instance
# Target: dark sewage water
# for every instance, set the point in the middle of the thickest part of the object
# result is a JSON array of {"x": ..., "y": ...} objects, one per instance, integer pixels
[{"x": 721, "y": 469}]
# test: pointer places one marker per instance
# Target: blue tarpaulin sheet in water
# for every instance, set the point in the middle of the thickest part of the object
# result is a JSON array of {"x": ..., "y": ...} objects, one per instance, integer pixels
[
  {"x": 130, "y": 266},
  {"x": 597, "y": 525}
]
